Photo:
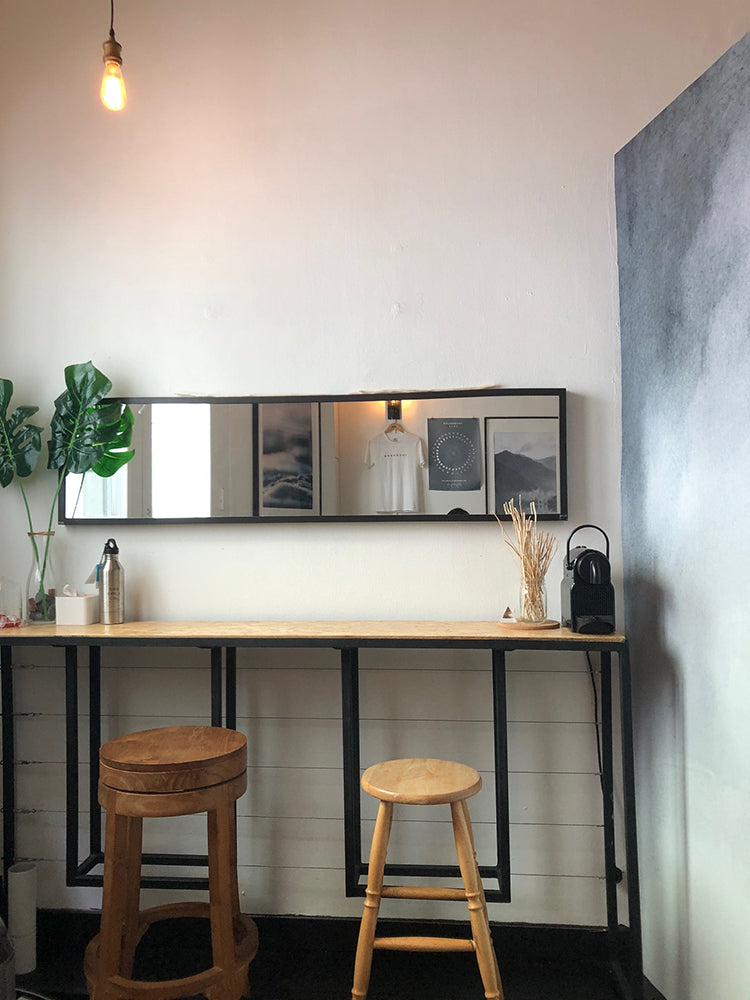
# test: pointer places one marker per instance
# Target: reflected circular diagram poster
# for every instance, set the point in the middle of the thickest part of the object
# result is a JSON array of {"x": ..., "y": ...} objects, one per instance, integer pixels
[{"x": 454, "y": 453}]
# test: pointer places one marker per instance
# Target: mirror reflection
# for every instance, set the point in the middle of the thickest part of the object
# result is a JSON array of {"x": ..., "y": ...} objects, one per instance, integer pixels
[{"x": 392, "y": 456}]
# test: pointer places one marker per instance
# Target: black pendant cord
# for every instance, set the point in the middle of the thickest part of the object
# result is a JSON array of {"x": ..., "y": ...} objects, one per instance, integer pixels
[{"x": 111, "y": 18}]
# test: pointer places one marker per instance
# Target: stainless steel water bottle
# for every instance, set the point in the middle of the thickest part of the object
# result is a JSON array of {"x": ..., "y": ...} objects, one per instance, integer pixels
[{"x": 111, "y": 586}]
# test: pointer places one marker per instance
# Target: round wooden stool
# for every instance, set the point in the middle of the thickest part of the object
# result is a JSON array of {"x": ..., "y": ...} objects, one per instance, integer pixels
[
  {"x": 418, "y": 782},
  {"x": 174, "y": 771}
]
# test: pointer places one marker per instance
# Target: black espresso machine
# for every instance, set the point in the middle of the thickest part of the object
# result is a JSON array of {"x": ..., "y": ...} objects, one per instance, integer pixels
[{"x": 587, "y": 595}]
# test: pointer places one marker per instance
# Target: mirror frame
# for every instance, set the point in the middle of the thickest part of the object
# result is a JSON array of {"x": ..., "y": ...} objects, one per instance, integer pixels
[{"x": 384, "y": 397}]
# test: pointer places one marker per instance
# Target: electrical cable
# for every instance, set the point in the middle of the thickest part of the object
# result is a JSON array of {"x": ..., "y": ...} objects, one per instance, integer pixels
[{"x": 596, "y": 718}]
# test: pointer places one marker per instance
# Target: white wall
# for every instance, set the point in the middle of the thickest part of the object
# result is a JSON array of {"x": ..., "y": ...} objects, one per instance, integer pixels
[
  {"x": 328, "y": 198},
  {"x": 321, "y": 200}
]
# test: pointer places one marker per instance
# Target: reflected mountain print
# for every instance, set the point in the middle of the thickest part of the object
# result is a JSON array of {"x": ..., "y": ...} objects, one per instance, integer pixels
[
  {"x": 287, "y": 458},
  {"x": 526, "y": 470}
]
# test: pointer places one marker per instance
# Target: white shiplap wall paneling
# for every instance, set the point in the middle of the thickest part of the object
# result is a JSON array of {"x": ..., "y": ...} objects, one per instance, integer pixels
[{"x": 413, "y": 703}]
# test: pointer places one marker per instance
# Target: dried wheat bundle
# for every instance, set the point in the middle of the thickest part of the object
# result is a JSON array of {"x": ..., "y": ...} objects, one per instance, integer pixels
[{"x": 534, "y": 550}]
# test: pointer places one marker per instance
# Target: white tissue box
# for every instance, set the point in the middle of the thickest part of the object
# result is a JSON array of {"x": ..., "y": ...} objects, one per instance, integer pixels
[{"x": 83, "y": 610}]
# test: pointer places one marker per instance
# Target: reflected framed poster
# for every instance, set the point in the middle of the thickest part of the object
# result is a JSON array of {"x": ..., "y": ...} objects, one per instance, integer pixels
[
  {"x": 289, "y": 459},
  {"x": 454, "y": 453},
  {"x": 523, "y": 464}
]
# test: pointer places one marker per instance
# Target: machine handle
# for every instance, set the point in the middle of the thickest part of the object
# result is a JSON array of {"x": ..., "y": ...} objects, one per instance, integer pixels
[{"x": 596, "y": 528}]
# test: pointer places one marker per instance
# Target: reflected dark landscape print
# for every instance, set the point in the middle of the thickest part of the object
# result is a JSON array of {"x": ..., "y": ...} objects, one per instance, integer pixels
[
  {"x": 526, "y": 469},
  {"x": 287, "y": 459}
]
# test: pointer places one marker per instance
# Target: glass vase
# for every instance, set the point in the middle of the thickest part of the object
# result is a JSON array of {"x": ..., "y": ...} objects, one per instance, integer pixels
[
  {"x": 532, "y": 601},
  {"x": 41, "y": 585}
]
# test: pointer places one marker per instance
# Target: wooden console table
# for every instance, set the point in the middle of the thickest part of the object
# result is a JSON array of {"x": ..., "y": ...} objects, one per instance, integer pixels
[{"x": 222, "y": 639}]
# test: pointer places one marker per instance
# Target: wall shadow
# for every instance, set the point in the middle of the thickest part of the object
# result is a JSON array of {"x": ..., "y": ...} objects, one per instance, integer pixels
[{"x": 661, "y": 784}]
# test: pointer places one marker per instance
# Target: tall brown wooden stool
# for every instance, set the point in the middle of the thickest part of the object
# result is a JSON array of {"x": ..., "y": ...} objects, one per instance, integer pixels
[
  {"x": 173, "y": 771},
  {"x": 418, "y": 782}
]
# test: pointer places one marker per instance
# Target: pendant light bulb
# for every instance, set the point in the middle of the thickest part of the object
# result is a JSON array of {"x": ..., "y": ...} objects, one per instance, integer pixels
[{"x": 113, "y": 86}]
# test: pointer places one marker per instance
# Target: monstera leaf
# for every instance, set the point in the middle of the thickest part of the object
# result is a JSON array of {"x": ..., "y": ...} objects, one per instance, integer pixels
[
  {"x": 118, "y": 451},
  {"x": 88, "y": 433},
  {"x": 20, "y": 443}
]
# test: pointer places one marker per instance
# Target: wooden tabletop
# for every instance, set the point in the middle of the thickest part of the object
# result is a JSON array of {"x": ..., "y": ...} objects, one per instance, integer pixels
[{"x": 299, "y": 633}]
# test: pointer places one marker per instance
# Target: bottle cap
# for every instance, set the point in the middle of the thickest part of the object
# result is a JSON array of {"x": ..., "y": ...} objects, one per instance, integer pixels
[{"x": 110, "y": 547}]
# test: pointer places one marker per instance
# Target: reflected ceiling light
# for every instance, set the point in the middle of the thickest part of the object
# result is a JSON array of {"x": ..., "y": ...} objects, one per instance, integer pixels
[{"x": 113, "y": 87}]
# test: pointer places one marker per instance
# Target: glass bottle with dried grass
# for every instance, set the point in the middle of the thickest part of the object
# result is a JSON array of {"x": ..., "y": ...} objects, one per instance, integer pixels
[{"x": 534, "y": 550}]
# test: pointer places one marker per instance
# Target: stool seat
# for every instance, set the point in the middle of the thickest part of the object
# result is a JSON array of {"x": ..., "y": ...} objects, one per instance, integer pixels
[
  {"x": 424, "y": 781},
  {"x": 172, "y": 771},
  {"x": 174, "y": 758},
  {"x": 421, "y": 781}
]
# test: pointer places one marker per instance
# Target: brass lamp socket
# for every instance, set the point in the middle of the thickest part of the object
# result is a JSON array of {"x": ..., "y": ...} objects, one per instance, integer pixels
[{"x": 112, "y": 50}]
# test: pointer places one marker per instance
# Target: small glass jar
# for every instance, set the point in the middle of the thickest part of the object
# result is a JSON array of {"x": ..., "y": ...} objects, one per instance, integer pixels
[
  {"x": 10, "y": 603},
  {"x": 532, "y": 601},
  {"x": 41, "y": 584}
]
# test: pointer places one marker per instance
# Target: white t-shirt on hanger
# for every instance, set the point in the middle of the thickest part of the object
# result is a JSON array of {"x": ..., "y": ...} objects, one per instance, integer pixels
[{"x": 396, "y": 456}]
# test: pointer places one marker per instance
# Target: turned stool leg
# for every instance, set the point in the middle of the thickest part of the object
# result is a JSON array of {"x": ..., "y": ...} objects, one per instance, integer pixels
[
  {"x": 233, "y": 862},
  {"x": 480, "y": 927},
  {"x": 122, "y": 879},
  {"x": 363, "y": 960},
  {"x": 224, "y": 900},
  {"x": 474, "y": 855},
  {"x": 132, "y": 931}
]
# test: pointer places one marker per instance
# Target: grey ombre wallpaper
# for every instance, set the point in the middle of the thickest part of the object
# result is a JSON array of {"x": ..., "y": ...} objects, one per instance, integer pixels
[{"x": 683, "y": 223}]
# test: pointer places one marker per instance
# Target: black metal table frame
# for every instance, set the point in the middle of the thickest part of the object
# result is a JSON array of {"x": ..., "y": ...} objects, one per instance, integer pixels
[{"x": 223, "y": 693}]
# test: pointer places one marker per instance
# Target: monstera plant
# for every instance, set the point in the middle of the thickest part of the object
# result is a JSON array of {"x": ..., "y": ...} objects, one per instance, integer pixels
[{"x": 87, "y": 434}]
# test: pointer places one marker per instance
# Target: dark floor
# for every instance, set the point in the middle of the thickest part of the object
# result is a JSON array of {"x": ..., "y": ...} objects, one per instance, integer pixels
[{"x": 313, "y": 958}]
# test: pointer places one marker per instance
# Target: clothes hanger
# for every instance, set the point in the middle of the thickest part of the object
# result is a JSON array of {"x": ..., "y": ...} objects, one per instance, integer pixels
[{"x": 394, "y": 426}]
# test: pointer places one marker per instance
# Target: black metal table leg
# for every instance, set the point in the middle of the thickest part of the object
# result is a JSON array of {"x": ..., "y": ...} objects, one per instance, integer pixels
[
  {"x": 80, "y": 873},
  {"x": 71, "y": 763},
  {"x": 350, "y": 732},
  {"x": 502, "y": 801},
  {"x": 631, "y": 838},
  {"x": 355, "y": 867},
  {"x": 230, "y": 687},
  {"x": 608, "y": 797},
  {"x": 95, "y": 741},
  {"x": 9, "y": 783},
  {"x": 629, "y": 980},
  {"x": 217, "y": 712}
]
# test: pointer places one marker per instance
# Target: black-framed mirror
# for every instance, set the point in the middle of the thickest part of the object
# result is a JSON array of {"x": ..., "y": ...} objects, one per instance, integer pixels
[{"x": 419, "y": 456}]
